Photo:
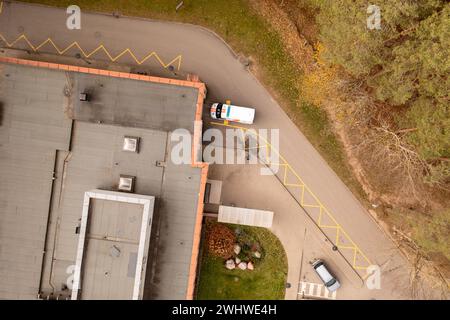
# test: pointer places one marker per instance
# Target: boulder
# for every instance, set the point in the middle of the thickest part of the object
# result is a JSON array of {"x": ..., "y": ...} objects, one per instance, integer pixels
[
  {"x": 257, "y": 254},
  {"x": 237, "y": 249},
  {"x": 242, "y": 265},
  {"x": 230, "y": 265},
  {"x": 250, "y": 266},
  {"x": 237, "y": 260}
]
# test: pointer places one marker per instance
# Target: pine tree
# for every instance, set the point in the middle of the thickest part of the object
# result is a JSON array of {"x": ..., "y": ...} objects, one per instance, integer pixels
[{"x": 406, "y": 63}]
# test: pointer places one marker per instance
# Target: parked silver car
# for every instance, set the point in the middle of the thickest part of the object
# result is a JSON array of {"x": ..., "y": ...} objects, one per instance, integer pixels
[{"x": 330, "y": 282}]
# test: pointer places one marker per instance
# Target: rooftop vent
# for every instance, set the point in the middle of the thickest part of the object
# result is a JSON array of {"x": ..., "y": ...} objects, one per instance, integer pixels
[
  {"x": 126, "y": 183},
  {"x": 131, "y": 144},
  {"x": 84, "y": 96},
  {"x": 114, "y": 251}
]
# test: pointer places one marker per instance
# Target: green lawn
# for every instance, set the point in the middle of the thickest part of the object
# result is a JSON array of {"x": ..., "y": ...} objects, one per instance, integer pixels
[
  {"x": 266, "y": 282},
  {"x": 249, "y": 33}
]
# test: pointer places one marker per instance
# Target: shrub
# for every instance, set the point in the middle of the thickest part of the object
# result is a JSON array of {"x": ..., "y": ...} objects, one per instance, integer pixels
[{"x": 220, "y": 240}]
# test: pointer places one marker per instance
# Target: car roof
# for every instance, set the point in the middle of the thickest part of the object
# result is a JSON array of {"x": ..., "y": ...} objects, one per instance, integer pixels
[{"x": 323, "y": 273}]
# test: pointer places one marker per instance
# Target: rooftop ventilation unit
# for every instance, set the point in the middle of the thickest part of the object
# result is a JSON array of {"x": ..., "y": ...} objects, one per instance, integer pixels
[
  {"x": 131, "y": 144},
  {"x": 84, "y": 96},
  {"x": 126, "y": 183}
]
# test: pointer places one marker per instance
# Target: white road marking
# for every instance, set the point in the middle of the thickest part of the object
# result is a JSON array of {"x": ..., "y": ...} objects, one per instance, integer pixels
[{"x": 315, "y": 290}]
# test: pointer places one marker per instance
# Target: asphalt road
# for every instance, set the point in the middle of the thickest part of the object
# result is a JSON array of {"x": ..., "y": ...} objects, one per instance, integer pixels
[{"x": 205, "y": 54}]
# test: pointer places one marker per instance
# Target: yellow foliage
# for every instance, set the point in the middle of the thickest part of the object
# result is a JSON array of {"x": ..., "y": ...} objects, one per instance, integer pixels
[{"x": 318, "y": 84}]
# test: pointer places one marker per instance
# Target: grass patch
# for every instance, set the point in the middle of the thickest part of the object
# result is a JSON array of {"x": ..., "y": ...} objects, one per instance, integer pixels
[
  {"x": 266, "y": 282},
  {"x": 249, "y": 33}
]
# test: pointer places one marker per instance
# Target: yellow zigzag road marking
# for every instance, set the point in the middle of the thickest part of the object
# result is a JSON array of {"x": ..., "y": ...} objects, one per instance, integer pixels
[
  {"x": 346, "y": 247},
  {"x": 292, "y": 185},
  {"x": 330, "y": 227},
  {"x": 304, "y": 188},
  {"x": 96, "y": 50},
  {"x": 337, "y": 237}
]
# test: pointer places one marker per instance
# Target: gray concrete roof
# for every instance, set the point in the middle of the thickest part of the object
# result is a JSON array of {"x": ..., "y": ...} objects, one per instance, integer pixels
[
  {"x": 35, "y": 135},
  {"x": 32, "y": 129},
  {"x": 177, "y": 211},
  {"x": 112, "y": 225},
  {"x": 133, "y": 103}
]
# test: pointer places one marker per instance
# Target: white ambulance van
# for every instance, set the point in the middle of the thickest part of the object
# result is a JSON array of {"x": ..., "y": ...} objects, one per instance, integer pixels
[{"x": 232, "y": 113}]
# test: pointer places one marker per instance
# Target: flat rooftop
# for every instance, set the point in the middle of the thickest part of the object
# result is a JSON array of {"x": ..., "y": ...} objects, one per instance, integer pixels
[
  {"x": 53, "y": 150},
  {"x": 112, "y": 241},
  {"x": 114, "y": 238},
  {"x": 137, "y": 104}
]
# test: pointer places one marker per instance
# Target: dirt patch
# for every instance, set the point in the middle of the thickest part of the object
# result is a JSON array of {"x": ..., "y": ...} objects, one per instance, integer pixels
[{"x": 295, "y": 43}]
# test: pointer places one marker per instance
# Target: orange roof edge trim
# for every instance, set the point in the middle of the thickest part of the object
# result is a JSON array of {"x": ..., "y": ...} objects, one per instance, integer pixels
[
  {"x": 197, "y": 233},
  {"x": 40, "y": 64}
]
